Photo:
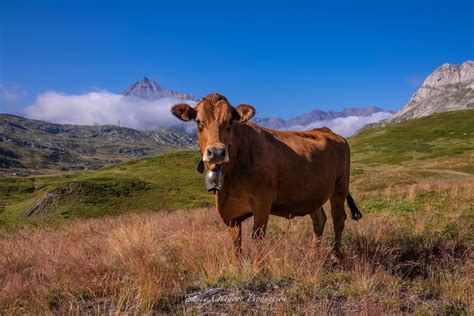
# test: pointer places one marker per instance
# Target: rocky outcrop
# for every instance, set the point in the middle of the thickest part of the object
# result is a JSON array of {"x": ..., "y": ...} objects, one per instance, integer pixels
[
  {"x": 448, "y": 88},
  {"x": 50, "y": 200}
]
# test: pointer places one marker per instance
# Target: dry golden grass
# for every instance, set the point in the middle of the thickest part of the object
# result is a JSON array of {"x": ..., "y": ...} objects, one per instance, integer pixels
[{"x": 419, "y": 261}]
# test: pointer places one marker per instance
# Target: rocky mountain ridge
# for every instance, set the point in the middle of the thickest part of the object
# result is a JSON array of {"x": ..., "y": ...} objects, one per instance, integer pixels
[
  {"x": 316, "y": 115},
  {"x": 450, "y": 87},
  {"x": 32, "y": 146}
]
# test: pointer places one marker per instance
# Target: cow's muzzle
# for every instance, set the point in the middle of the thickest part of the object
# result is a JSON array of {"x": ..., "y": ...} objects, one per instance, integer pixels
[
  {"x": 216, "y": 153},
  {"x": 214, "y": 180}
]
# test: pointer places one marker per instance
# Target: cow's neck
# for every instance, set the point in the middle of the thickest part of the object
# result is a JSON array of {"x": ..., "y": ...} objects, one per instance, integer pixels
[{"x": 242, "y": 155}]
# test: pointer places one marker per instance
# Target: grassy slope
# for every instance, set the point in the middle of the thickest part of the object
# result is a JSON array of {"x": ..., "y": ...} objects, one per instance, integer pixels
[
  {"x": 441, "y": 135},
  {"x": 438, "y": 147},
  {"x": 433, "y": 148},
  {"x": 164, "y": 182}
]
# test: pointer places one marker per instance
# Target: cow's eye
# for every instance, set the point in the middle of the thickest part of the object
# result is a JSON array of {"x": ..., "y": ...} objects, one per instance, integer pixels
[
  {"x": 229, "y": 126},
  {"x": 199, "y": 124}
]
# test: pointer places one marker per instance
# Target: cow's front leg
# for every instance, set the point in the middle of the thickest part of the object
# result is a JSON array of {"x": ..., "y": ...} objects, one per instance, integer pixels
[
  {"x": 236, "y": 236},
  {"x": 260, "y": 222},
  {"x": 261, "y": 214}
]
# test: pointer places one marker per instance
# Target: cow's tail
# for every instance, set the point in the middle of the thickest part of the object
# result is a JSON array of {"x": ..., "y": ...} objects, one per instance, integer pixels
[{"x": 355, "y": 213}]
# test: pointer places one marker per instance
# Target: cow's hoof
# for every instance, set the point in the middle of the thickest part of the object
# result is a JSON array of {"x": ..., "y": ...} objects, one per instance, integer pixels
[
  {"x": 356, "y": 216},
  {"x": 336, "y": 257},
  {"x": 335, "y": 260}
]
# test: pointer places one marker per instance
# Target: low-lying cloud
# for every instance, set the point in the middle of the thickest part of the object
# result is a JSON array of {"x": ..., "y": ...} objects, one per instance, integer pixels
[
  {"x": 101, "y": 108},
  {"x": 346, "y": 126}
]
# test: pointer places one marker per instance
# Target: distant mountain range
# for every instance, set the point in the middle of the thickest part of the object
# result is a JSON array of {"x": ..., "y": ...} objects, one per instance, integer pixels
[
  {"x": 149, "y": 89},
  {"x": 316, "y": 115},
  {"x": 450, "y": 87},
  {"x": 31, "y": 146}
]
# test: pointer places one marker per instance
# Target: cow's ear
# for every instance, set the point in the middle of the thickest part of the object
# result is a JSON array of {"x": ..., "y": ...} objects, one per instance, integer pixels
[
  {"x": 184, "y": 112},
  {"x": 246, "y": 112}
]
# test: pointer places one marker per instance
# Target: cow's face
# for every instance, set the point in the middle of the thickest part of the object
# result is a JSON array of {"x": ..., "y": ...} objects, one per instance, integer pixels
[{"x": 214, "y": 117}]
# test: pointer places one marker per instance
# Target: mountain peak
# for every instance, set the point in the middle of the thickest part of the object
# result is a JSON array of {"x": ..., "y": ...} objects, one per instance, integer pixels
[
  {"x": 449, "y": 87},
  {"x": 148, "y": 81},
  {"x": 449, "y": 74},
  {"x": 149, "y": 89}
]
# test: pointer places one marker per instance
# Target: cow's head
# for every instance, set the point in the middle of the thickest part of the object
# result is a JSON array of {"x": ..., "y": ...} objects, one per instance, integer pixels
[{"x": 214, "y": 118}]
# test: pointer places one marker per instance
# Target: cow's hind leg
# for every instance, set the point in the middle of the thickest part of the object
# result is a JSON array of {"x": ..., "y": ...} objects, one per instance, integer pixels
[
  {"x": 318, "y": 217},
  {"x": 338, "y": 216}
]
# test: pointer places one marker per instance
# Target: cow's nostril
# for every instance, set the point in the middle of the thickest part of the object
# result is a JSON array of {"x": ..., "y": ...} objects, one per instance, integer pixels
[
  {"x": 223, "y": 153},
  {"x": 209, "y": 153}
]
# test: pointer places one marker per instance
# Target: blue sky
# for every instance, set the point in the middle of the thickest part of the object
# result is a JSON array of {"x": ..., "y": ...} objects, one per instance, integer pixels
[{"x": 283, "y": 57}]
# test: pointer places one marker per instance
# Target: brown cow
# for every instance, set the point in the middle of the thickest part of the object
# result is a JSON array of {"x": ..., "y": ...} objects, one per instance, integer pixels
[{"x": 283, "y": 173}]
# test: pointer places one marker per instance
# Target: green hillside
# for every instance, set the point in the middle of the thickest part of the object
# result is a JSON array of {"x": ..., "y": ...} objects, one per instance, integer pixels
[
  {"x": 433, "y": 148},
  {"x": 163, "y": 182},
  {"x": 437, "y": 136}
]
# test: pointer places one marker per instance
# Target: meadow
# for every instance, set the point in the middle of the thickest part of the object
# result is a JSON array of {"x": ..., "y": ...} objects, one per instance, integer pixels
[{"x": 143, "y": 237}]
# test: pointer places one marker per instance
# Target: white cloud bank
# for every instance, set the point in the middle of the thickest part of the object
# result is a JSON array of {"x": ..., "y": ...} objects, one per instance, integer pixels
[
  {"x": 99, "y": 108},
  {"x": 346, "y": 126}
]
